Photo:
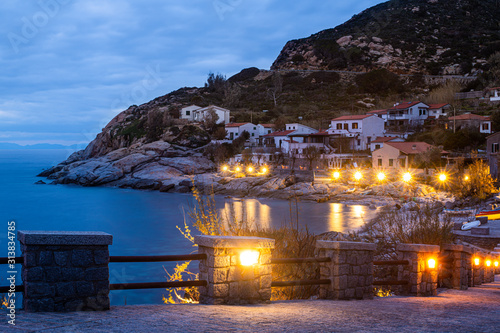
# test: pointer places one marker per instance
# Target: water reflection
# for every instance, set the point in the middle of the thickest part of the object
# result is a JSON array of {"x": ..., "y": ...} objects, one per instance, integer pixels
[{"x": 318, "y": 217}]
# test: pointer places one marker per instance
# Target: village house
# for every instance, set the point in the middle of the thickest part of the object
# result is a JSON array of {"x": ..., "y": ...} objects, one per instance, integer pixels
[
  {"x": 379, "y": 141},
  {"x": 235, "y": 130},
  {"x": 437, "y": 111},
  {"x": 398, "y": 155},
  {"x": 265, "y": 129},
  {"x": 407, "y": 115},
  {"x": 380, "y": 113},
  {"x": 472, "y": 121},
  {"x": 493, "y": 94},
  {"x": 492, "y": 151},
  {"x": 194, "y": 113},
  {"x": 283, "y": 139},
  {"x": 359, "y": 129}
]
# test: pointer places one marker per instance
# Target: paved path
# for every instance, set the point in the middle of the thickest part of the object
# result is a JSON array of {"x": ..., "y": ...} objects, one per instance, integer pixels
[{"x": 473, "y": 310}]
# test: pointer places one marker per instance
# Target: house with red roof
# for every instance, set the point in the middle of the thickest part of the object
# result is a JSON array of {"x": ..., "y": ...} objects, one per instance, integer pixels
[
  {"x": 472, "y": 121},
  {"x": 407, "y": 115},
  {"x": 360, "y": 129},
  {"x": 380, "y": 113},
  {"x": 379, "y": 141},
  {"x": 399, "y": 155},
  {"x": 235, "y": 130},
  {"x": 440, "y": 110},
  {"x": 294, "y": 133},
  {"x": 197, "y": 113}
]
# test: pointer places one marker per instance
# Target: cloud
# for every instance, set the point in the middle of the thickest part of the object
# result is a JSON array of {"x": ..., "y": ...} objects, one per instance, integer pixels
[{"x": 90, "y": 59}]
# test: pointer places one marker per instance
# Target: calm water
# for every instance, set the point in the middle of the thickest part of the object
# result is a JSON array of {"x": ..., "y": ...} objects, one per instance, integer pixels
[{"x": 141, "y": 222}]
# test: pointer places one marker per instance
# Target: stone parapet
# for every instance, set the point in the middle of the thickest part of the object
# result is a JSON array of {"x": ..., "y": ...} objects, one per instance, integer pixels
[
  {"x": 422, "y": 279},
  {"x": 350, "y": 269},
  {"x": 229, "y": 281},
  {"x": 65, "y": 271},
  {"x": 455, "y": 268}
]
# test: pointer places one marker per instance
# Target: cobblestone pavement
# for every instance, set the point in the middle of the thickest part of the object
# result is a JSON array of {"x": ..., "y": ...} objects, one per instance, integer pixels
[{"x": 473, "y": 310}]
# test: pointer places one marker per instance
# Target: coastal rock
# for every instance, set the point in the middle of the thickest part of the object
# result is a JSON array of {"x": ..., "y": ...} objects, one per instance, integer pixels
[
  {"x": 40, "y": 182},
  {"x": 156, "y": 171},
  {"x": 128, "y": 163},
  {"x": 167, "y": 187},
  {"x": 189, "y": 165},
  {"x": 90, "y": 173}
]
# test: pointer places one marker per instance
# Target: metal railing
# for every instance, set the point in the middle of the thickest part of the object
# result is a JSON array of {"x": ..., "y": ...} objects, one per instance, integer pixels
[{"x": 390, "y": 263}]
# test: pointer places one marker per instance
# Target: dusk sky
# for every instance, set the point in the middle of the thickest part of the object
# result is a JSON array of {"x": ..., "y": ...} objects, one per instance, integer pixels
[{"x": 68, "y": 67}]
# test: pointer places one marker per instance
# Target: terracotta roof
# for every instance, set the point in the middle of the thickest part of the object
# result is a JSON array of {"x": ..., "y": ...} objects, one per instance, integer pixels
[
  {"x": 267, "y": 125},
  {"x": 354, "y": 117},
  {"x": 411, "y": 147},
  {"x": 377, "y": 112},
  {"x": 404, "y": 105},
  {"x": 236, "y": 124},
  {"x": 495, "y": 88},
  {"x": 382, "y": 139},
  {"x": 280, "y": 133},
  {"x": 321, "y": 133},
  {"x": 437, "y": 106},
  {"x": 469, "y": 116}
]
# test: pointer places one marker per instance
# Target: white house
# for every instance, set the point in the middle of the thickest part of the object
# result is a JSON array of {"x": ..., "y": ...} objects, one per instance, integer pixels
[
  {"x": 473, "y": 121},
  {"x": 362, "y": 129},
  {"x": 299, "y": 127},
  {"x": 188, "y": 112},
  {"x": 380, "y": 113},
  {"x": 234, "y": 130},
  {"x": 406, "y": 115},
  {"x": 379, "y": 141},
  {"x": 265, "y": 129},
  {"x": 439, "y": 110},
  {"x": 222, "y": 113},
  {"x": 494, "y": 94},
  {"x": 294, "y": 133}
]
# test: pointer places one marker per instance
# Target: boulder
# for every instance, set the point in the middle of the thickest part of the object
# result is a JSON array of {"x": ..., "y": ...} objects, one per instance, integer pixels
[
  {"x": 128, "y": 163},
  {"x": 156, "y": 171},
  {"x": 167, "y": 188},
  {"x": 40, "y": 182}
]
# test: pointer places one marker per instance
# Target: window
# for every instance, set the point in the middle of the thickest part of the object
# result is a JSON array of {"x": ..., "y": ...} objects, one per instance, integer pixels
[
  {"x": 377, "y": 146},
  {"x": 486, "y": 126},
  {"x": 354, "y": 125},
  {"x": 268, "y": 131},
  {"x": 346, "y": 126},
  {"x": 188, "y": 113},
  {"x": 253, "y": 134},
  {"x": 339, "y": 126},
  {"x": 369, "y": 140},
  {"x": 379, "y": 162},
  {"x": 359, "y": 142},
  {"x": 391, "y": 162},
  {"x": 403, "y": 164},
  {"x": 494, "y": 147},
  {"x": 254, "y": 128},
  {"x": 422, "y": 112},
  {"x": 236, "y": 134}
]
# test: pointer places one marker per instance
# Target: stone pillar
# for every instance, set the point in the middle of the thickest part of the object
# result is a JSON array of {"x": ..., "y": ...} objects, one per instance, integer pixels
[
  {"x": 489, "y": 272},
  {"x": 455, "y": 266},
  {"x": 422, "y": 280},
  {"x": 229, "y": 282},
  {"x": 65, "y": 270},
  {"x": 350, "y": 269},
  {"x": 478, "y": 270}
]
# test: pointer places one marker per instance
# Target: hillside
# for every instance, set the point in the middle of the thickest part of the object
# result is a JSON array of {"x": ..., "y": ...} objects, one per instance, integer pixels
[{"x": 404, "y": 36}]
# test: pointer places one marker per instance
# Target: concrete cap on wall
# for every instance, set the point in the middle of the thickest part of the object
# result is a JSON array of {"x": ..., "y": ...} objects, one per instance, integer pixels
[
  {"x": 339, "y": 245},
  {"x": 417, "y": 248},
  {"x": 39, "y": 237}
]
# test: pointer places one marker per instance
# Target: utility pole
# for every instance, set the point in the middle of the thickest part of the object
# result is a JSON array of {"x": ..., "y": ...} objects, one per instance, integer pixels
[{"x": 454, "y": 120}]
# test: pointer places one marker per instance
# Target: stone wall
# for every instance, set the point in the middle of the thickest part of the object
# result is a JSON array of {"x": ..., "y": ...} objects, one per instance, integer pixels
[
  {"x": 65, "y": 271},
  {"x": 485, "y": 242},
  {"x": 350, "y": 269},
  {"x": 422, "y": 279},
  {"x": 230, "y": 282},
  {"x": 455, "y": 266}
]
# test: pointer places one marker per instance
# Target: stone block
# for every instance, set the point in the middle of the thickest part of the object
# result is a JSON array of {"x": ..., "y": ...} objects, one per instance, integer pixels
[
  {"x": 38, "y": 289},
  {"x": 231, "y": 242},
  {"x": 53, "y": 274},
  {"x": 34, "y": 274},
  {"x": 101, "y": 257},
  {"x": 217, "y": 275},
  {"x": 102, "y": 287},
  {"x": 350, "y": 293},
  {"x": 219, "y": 261},
  {"x": 265, "y": 281},
  {"x": 340, "y": 282},
  {"x": 234, "y": 290},
  {"x": 61, "y": 258},
  {"x": 265, "y": 269},
  {"x": 64, "y": 238},
  {"x": 46, "y": 258},
  {"x": 247, "y": 273},
  {"x": 82, "y": 258},
  {"x": 265, "y": 294},
  {"x": 65, "y": 289},
  {"x": 218, "y": 290},
  {"x": 359, "y": 292},
  {"x": 72, "y": 274},
  {"x": 480, "y": 231},
  {"x": 30, "y": 259},
  {"x": 352, "y": 281},
  {"x": 265, "y": 259},
  {"x": 97, "y": 273},
  {"x": 39, "y": 305},
  {"x": 85, "y": 288}
]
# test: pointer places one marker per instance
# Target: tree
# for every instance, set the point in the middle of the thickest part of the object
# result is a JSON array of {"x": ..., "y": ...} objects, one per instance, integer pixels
[
  {"x": 277, "y": 88},
  {"x": 210, "y": 119},
  {"x": 379, "y": 81},
  {"x": 480, "y": 183},
  {"x": 216, "y": 83},
  {"x": 311, "y": 153},
  {"x": 232, "y": 94},
  {"x": 280, "y": 124},
  {"x": 429, "y": 158},
  {"x": 220, "y": 133}
]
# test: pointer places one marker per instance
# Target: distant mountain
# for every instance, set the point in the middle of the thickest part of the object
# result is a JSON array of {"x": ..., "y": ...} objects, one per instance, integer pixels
[
  {"x": 9, "y": 145},
  {"x": 404, "y": 36}
]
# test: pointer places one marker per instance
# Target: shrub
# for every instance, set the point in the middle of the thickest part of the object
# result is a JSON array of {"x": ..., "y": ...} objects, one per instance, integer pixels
[{"x": 379, "y": 81}]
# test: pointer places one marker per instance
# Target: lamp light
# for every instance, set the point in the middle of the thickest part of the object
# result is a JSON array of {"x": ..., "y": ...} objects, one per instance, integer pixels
[
  {"x": 476, "y": 261},
  {"x": 336, "y": 175},
  {"x": 381, "y": 176},
  {"x": 358, "y": 175},
  {"x": 488, "y": 263},
  {"x": 442, "y": 177},
  {"x": 249, "y": 257},
  {"x": 406, "y": 177},
  {"x": 431, "y": 263}
]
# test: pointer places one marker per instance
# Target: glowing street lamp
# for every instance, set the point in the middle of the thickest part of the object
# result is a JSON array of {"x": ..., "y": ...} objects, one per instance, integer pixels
[
  {"x": 381, "y": 176},
  {"x": 358, "y": 175},
  {"x": 495, "y": 263},
  {"x": 238, "y": 169},
  {"x": 476, "y": 261},
  {"x": 431, "y": 263},
  {"x": 263, "y": 170},
  {"x": 225, "y": 168},
  {"x": 336, "y": 175},
  {"x": 466, "y": 178},
  {"x": 442, "y": 177},
  {"x": 488, "y": 263},
  {"x": 407, "y": 177},
  {"x": 250, "y": 169},
  {"x": 249, "y": 257}
]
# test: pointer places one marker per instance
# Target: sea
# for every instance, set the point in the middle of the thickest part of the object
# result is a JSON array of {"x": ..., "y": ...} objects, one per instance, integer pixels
[{"x": 141, "y": 222}]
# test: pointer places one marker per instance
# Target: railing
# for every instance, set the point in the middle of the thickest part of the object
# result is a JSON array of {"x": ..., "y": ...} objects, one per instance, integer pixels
[
  {"x": 154, "y": 285},
  {"x": 390, "y": 263},
  {"x": 287, "y": 261}
]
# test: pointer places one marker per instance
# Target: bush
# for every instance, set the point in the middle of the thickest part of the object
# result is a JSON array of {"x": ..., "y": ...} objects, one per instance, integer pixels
[{"x": 379, "y": 81}]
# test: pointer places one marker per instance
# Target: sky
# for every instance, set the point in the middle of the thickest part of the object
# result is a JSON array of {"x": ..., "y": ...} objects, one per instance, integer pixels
[{"x": 67, "y": 67}]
